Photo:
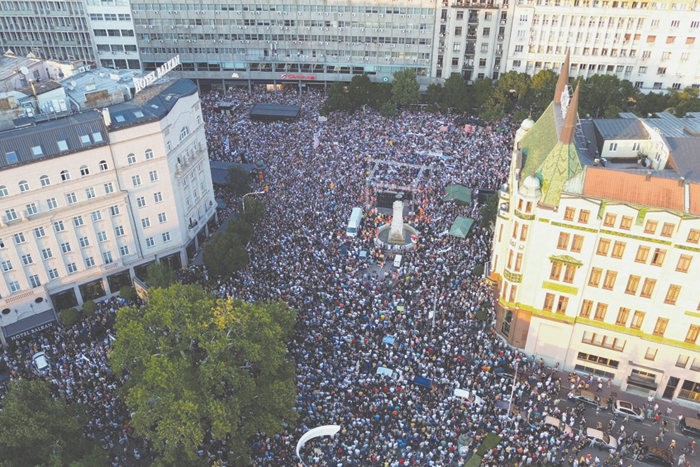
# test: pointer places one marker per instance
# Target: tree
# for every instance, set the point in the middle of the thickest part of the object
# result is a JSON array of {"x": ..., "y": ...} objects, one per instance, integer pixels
[
  {"x": 199, "y": 365},
  {"x": 89, "y": 307},
  {"x": 406, "y": 87},
  {"x": 488, "y": 211},
  {"x": 360, "y": 90},
  {"x": 37, "y": 430},
  {"x": 455, "y": 94},
  {"x": 381, "y": 94},
  {"x": 226, "y": 252},
  {"x": 599, "y": 92},
  {"x": 128, "y": 293},
  {"x": 160, "y": 276},
  {"x": 254, "y": 210},
  {"x": 433, "y": 95},
  {"x": 543, "y": 85},
  {"x": 241, "y": 229},
  {"x": 238, "y": 180},
  {"x": 337, "y": 99},
  {"x": 511, "y": 87},
  {"x": 387, "y": 109},
  {"x": 69, "y": 316},
  {"x": 480, "y": 92}
]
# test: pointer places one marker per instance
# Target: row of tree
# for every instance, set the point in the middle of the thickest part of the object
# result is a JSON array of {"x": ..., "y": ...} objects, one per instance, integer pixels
[{"x": 601, "y": 96}]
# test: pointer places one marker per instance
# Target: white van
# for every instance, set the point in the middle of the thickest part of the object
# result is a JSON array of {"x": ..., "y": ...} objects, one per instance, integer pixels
[
  {"x": 397, "y": 261},
  {"x": 354, "y": 222}
]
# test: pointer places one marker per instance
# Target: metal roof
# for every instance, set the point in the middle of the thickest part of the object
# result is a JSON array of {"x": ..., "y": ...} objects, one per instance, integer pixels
[
  {"x": 685, "y": 156},
  {"x": 10, "y": 65},
  {"x": 102, "y": 79},
  {"x": 620, "y": 128},
  {"x": 670, "y": 125},
  {"x": 46, "y": 136},
  {"x": 274, "y": 111}
]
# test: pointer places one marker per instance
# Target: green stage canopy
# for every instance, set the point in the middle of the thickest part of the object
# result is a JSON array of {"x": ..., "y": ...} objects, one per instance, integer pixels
[
  {"x": 461, "y": 227},
  {"x": 460, "y": 194}
]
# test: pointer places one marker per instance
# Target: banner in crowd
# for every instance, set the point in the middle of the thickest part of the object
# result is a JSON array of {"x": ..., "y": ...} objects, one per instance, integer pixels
[{"x": 326, "y": 430}]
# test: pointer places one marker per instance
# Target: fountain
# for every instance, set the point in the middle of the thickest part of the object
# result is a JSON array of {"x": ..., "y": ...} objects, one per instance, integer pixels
[{"x": 397, "y": 235}]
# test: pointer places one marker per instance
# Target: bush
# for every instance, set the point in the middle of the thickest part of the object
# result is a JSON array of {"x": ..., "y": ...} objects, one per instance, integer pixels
[
  {"x": 481, "y": 315},
  {"x": 69, "y": 316},
  {"x": 489, "y": 443},
  {"x": 89, "y": 308},
  {"x": 127, "y": 292},
  {"x": 474, "y": 461},
  {"x": 478, "y": 270},
  {"x": 387, "y": 109}
]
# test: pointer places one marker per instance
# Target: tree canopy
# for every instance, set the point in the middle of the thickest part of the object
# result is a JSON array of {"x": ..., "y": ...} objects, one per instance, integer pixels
[
  {"x": 238, "y": 180},
  {"x": 159, "y": 275},
  {"x": 254, "y": 210},
  {"x": 36, "y": 430},
  {"x": 226, "y": 252},
  {"x": 406, "y": 88},
  {"x": 198, "y": 365}
]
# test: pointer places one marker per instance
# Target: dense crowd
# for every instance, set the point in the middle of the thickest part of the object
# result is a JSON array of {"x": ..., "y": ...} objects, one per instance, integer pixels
[{"x": 429, "y": 319}]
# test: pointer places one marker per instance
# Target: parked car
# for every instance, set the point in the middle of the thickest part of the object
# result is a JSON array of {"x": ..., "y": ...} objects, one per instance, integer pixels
[
  {"x": 624, "y": 408},
  {"x": 558, "y": 424},
  {"x": 690, "y": 426},
  {"x": 657, "y": 456},
  {"x": 41, "y": 363},
  {"x": 601, "y": 440},
  {"x": 588, "y": 398}
]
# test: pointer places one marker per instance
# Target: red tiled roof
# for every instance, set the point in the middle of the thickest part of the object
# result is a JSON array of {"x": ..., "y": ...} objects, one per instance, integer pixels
[
  {"x": 694, "y": 198},
  {"x": 634, "y": 188}
]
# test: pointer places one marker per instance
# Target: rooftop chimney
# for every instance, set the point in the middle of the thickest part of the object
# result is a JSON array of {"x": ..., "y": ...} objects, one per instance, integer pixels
[
  {"x": 107, "y": 117},
  {"x": 648, "y": 176}
]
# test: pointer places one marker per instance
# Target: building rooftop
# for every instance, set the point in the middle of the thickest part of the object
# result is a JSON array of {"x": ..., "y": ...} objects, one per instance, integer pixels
[
  {"x": 620, "y": 128},
  {"x": 11, "y": 65},
  {"x": 670, "y": 125},
  {"x": 94, "y": 87}
]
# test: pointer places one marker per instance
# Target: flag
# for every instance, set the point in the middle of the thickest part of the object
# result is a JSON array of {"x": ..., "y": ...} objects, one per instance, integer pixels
[
  {"x": 227, "y": 143},
  {"x": 414, "y": 238},
  {"x": 317, "y": 140}
]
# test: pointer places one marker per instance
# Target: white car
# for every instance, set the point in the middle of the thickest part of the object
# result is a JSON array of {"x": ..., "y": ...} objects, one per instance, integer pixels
[
  {"x": 601, "y": 440},
  {"x": 624, "y": 408},
  {"x": 41, "y": 362}
]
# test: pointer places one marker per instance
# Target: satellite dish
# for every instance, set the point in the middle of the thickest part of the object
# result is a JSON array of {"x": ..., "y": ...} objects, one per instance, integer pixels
[{"x": 24, "y": 70}]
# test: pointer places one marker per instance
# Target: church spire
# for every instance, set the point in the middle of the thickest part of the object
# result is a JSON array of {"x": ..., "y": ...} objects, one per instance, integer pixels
[
  {"x": 563, "y": 78},
  {"x": 567, "y": 129}
]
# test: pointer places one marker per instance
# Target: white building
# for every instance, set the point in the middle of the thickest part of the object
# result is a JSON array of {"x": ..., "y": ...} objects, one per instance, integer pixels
[
  {"x": 90, "y": 199},
  {"x": 597, "y": 261}
]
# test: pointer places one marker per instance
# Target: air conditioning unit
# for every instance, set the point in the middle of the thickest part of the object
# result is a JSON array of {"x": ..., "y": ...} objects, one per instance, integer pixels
[
  {"x": 393, "y": 45},
  {"x": 326, "y": 43},
  {"x": 170, "y": 12},
  {"x": 133, "y": 11},
  {"x": 172, "y": 27},
  {"x": 247, "y": 42},
  {"x": 381, "y": 15},
  {"x": 150, "y": 26},
  {"x": 298, "y": 13},
  {"x": 238, "y": 12},
  {"x": 188, "y": 41},
  {"x": 161, "y": 40},
  {"x": 126, "y": 53}
]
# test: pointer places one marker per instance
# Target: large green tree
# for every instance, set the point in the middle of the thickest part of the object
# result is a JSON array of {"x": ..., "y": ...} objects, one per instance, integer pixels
[
  {"x": 226, "y": 252},
  {"x": 360, "y": 90},
  {"x": 543, "y": 85},
  {"x": 159, "y": 275},
  {"x": 511, "y": 87},
  {"x": 433, "y": 95},
  {"x": 36, "y": 430},
  {"x": 337, "y": 99},
  {"x": 406, "y": 88},
  {"x": 197, "y": 364},
  {"x": 254, "y": 210},
  {"x": 455, "y": 94},
  {"x": 238, "y": 180},
  {"x": 599, "y": 92}
]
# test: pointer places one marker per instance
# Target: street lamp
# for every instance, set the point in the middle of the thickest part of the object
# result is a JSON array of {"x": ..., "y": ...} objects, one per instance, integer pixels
[{"x": 251, "y": 193}]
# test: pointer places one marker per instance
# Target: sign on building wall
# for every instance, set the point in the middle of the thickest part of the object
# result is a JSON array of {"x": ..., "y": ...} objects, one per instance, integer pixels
[{"x": 150, "y": 78}]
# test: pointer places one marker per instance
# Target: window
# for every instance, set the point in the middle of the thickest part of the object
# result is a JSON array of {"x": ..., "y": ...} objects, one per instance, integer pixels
[
  {"x": 27, "y": 259},
  {"x": 34, "y": 281},
  {"x": 109, "y": 188},
  {"x": 632, "y": 285},
  {"x": 562, "y": 304},
  {"x": 84, "y": 171},
  {"x": 586, "y": 308},
  {"x": 682, "y": 361},
  {"x": 124, "y": 250},
  {"x": 684, "y": 263},
  {"x": 563, "y": 242},
  {"x": 46, "y": 253},
  {"x": 107, "y": 257},
  {"x": 65, "y": 175},
  {"x": 555, "y": 272},
  {"x": 660, "y": 327},
  {"x": 19, "y": 238},
  {"x": 53, "y": 274},
  {"x": 610, "y": 278},
  {"x": 651, "y": 353},
  {"x": 184, "y": 132},
  {"x": 618, "y": 250},
  {"x": 3, "y": 192},
  {"x": 603, "y": 247},
  {"x": 150, "y": 242},
  {"x": 153, "y": 174},
  {"x": 14, "y": 287},
  {"x": 648, "y": 288},
  {"x": 650, "y": 227},
  {"x": 90, "y": 193},
  {"x": 626, "y": 223},
  {"x": 102, "y": 236},
  {"x": 577, "y": 243},
  {"x": 513, "y": 293},
  {"x": 39, "y": 232},
  {"x": 569, "y": 214},
  {"x": 114, "y": 210},
  {"x": 51, "y": 203},
  {"x": 32, "y": 209},
  {"x": 136, "y": 180},
  {"x": 548, "y": 302},
  {"x": 637, "y": 320},
  {"x": 44, "y": 180},
  {"x": 622, "y": 316},
  {"x": 145, "y": 222},
  {"x": 119, "y": 231},
  {"x": 62, "y": 145},
  {"x": 695, "y": 366},
  {"x": 163, "y": 218},
  {"x": 693, "y": 235},
  {"x": 594, "y": 279},
  {"x": 89, "y": 262},
  {"x": 523, "y": 232},
  {"x": 71, "y": 198},
  {"x": 609, "y": 220},
  {"x": 658, "y": 257},
  {"x": 141, "y": 201},
  {"x": 7, "y": 265},
  {"x": 11, "y": 214},
  {"x": 583, "y": 216},
  {"x": 518, "y": 259},
  {"x": 131, "y": 159},
  {"x": 65, "y": 248},
  {"x": 642, "y": 254},
  {"x": 84, "y": 242},
  {"x": 158, "y": 197},
  {"x": 569, "y": 273},
  {"x": 600, "y": 310},
  {"x": 37, "y": 152},
  {"x": 2, "y": 244},
  {"x": 672, "y": 294},
  {"x": 72, "y": 268},
  {"x": 11, "y": 157},
  {"x": 23, "y": 186},
  {"x": 78, "y": 221},
  {"x": 166, "y": 238},
  {"x": 58, "y": 226},
  {"x": 667, "y": 229},
  {"x": 103, "y": 166},
  {"x": 149, "y": 154},
  {"x": 613, "y": 147},
  {"x": 692, "y": 335}
]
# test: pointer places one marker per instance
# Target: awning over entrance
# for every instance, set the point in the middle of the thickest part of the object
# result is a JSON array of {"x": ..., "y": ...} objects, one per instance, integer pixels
[{"x": 26, "y": 326}]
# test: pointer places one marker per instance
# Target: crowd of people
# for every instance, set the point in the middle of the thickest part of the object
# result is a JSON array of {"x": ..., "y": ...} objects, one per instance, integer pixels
[{"x": 366, "y": 332}]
